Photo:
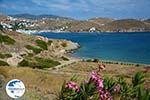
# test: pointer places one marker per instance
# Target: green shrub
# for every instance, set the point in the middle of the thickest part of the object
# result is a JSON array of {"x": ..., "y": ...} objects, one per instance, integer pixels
[
  {"x": 5, "y": 55},
  {"x": 138, "y": 79},
  {"x": 109, "y": 83},
  {"x": 143, "y": 94},
  {"x": 65, "y": 58},
  {"x": 49, "y": 42},
  {"x": 42, "y": 44},
  {"x": 2, "y": 63},
  {"x": 23, "y": 63},
  {"x": 6, "y": 39},
  {"x": 64, "y": 44},
  {"x": 45, "y": 63},
  {"x": 36, "y": 50},
  {"x": 38, "y": 62},
  {"x": 96, "y": 60}
]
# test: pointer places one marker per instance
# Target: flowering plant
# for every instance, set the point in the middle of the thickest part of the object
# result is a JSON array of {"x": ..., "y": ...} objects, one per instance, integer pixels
[
  {"x": 97, "y": 88},
  {"x": 92, "y": 89}
]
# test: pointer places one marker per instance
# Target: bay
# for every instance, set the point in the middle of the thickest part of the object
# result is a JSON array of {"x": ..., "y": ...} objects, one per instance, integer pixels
[{"x": 123, "y": 47}]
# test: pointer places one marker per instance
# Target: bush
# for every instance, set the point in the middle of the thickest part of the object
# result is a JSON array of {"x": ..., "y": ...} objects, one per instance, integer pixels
[
  {"x": 6, "y": 39},
  {"x": 5, "y": 55},
  {"x": 96, "y": 60},
  {"x": 2, "y": 63},
  {"x": 92, "y": 89},
  {"x": 65, "y": 58},
  {"x": 42, "y": 44},
  {"x": 38, "y": 62},
  {"x": 36, "y": 50},
  {"x": 138, "y": 79},
  {"x": 45, "y": 63},
  {"x": 23, "y": 63},
  {"x": 64, "y": 44},
  {"x": 98, "y": 89},
  {"x": 49, "y": 42}
]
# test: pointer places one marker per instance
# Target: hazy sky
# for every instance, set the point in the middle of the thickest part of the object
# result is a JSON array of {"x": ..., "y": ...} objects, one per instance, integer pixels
[{"x": 80, "y": 9}]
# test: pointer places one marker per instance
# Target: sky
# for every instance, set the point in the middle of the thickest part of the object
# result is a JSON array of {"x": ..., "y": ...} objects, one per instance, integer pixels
[{"x": 79, "y": 9}]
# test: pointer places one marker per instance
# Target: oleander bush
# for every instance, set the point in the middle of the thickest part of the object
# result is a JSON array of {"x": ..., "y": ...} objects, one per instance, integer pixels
[
  {"x": 97, "y": 88},
  {"x": 42, "y": 44}
]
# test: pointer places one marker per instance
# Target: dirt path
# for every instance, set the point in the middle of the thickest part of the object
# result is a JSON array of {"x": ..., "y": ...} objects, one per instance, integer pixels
[{"x": 73, "y": 60}]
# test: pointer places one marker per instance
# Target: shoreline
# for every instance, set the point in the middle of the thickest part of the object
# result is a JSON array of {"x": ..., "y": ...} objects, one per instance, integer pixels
[
  {"x": 70, "y": 55},
  {"x": 58, "y": 31}
]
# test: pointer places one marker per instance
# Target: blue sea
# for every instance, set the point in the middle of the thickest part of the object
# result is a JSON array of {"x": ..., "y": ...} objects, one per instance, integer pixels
[{"x": 124, "y": 47}]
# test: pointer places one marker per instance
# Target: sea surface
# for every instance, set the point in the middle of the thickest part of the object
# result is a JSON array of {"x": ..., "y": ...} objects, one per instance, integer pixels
[{"x": 123, "y": 47}]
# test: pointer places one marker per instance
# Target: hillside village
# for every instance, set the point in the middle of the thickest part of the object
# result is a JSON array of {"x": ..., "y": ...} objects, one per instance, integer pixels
[{"x": 60, "y": 24}]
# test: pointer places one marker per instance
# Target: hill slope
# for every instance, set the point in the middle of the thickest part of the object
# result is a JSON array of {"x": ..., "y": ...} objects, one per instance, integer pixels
[{"x": 33, "y": 51}]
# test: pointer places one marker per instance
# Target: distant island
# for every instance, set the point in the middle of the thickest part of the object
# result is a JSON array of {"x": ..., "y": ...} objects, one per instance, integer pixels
[{"x": 28, "y": 23}]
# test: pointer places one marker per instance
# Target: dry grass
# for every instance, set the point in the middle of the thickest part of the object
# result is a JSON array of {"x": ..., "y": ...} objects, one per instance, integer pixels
[
  {"x": 41, "y": 83},
  {"x": 36, "y": 82},
  {"x": 112, "y": 70}
]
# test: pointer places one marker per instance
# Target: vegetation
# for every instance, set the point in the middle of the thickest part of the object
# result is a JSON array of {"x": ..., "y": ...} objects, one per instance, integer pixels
[
  {"x": 1, "y": 27},
  {"x": 5, "y": 55},
  {"x": 6, "y": 39},
  {"x": 38, "y": 62},
  {"x": 2, "y": 63},
  {"x": 45, "y": 63},
  {"x": 65, "y": 58},
  {"x": 23, "y": 63},
  {"x": 108, "y": 88},
  {"x": 49, "y": 42},
  {"x": 36, "y": 50},
  {"x": 110, "y": 62},
  {"x": 64, "y": 44},
  {"x": 42, "y": 44}
]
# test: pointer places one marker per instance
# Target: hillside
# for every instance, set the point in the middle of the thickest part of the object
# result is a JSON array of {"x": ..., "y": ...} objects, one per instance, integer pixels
[
  {"x": 27, "y": 22},
  {"x": 101, "y": 21},
  {"x": 125, "y": 25},
  {"x": 81, "y": 26},
  {"x": 147, "y": 20},
  {"x": 24, "y": 50}
]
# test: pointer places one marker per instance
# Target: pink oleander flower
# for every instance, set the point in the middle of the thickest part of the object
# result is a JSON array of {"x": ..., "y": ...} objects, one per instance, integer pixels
[
  {"x": 73, "y": 85},
  {"x": 97, "y": 80},
  {"x": 94, "y": 76},
  {"x": 104, "y": 95},
  {"x": 100, "y": 83}
]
